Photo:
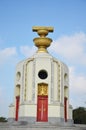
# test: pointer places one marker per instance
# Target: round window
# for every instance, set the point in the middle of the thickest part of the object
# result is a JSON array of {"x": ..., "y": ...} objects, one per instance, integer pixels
[{"x": 42, "y": 74}]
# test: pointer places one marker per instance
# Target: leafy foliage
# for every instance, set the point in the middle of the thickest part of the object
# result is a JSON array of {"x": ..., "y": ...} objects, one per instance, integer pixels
[
  {"x": 79, "y": 115},
  {"x": 3, "y": 119}
]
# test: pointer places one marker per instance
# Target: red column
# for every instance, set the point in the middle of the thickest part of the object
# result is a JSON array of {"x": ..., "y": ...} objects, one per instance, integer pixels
[
  {"x": 65, "y": 109},
  {"x": 17, "y": 107}
]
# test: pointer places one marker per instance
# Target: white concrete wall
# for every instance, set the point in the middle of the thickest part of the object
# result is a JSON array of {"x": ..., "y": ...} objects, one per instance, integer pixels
[
  {"x": 53, "y": 111},
  {"x": 43, "y": 64},
  {"x": 27, "y": 110},
  {"x": 29, "y": 81}
]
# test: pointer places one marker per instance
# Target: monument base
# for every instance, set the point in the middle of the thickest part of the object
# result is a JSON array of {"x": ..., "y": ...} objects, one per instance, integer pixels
[
  {"x": 22, "y": 125},
  {"x": 51, "y": 120}
]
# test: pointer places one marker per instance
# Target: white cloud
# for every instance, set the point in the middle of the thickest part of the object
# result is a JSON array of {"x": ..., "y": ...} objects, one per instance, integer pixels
[
  {"x": 27, "y": 51},
  {"x": 71, "y": 47},
  {"x": 77, "y": 81},
  {"x": 7, "y": 53},
  {"x": 77, "y": 87}
]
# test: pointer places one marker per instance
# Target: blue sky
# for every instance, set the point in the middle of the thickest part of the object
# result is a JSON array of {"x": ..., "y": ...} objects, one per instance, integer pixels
[{"x": 68, "y": 17}]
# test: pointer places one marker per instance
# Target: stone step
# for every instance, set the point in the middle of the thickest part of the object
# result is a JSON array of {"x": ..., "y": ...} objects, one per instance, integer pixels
[{"x": 38, "y": 126}]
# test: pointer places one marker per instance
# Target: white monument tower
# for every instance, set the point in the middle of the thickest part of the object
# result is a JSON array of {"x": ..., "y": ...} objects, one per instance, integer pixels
[{"x": 41, "y": 86}]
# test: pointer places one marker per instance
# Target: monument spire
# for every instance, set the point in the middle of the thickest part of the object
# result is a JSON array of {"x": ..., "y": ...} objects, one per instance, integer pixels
[{"x": 42, "y": 42}]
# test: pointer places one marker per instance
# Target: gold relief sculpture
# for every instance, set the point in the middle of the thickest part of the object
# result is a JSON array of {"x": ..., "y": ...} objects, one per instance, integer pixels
[{"x": 42, "y": 89}]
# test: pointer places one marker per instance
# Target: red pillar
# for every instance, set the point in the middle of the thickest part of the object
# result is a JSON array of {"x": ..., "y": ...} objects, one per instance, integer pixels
[
  {"x": 65, "y": 109},
  {"x": 17, "y": 107}
]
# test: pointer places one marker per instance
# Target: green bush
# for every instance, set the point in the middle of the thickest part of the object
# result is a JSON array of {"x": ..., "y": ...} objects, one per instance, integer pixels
[
  {"x": 3, "y": 119},
  {"x": 79, "y": 115}
]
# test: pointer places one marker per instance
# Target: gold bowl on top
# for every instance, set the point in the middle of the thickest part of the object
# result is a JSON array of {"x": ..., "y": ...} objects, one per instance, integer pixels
[{"x": 42, "y": 42}]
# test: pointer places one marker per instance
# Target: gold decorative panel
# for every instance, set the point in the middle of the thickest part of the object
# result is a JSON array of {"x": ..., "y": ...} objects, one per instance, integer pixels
[{"x": 42, "y": 89}]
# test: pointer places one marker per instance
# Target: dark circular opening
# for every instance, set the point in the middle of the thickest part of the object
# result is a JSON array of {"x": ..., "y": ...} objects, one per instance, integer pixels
[{"x": 42, "y": 74}]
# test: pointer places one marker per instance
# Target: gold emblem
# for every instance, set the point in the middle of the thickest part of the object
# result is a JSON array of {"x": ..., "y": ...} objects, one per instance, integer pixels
[{"x": 42, "y": 89}]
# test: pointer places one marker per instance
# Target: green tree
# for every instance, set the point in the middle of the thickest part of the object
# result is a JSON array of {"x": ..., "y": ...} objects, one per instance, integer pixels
[
  {"x": 3, "y": 119},
  {"x": 79, "y": 115}
]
